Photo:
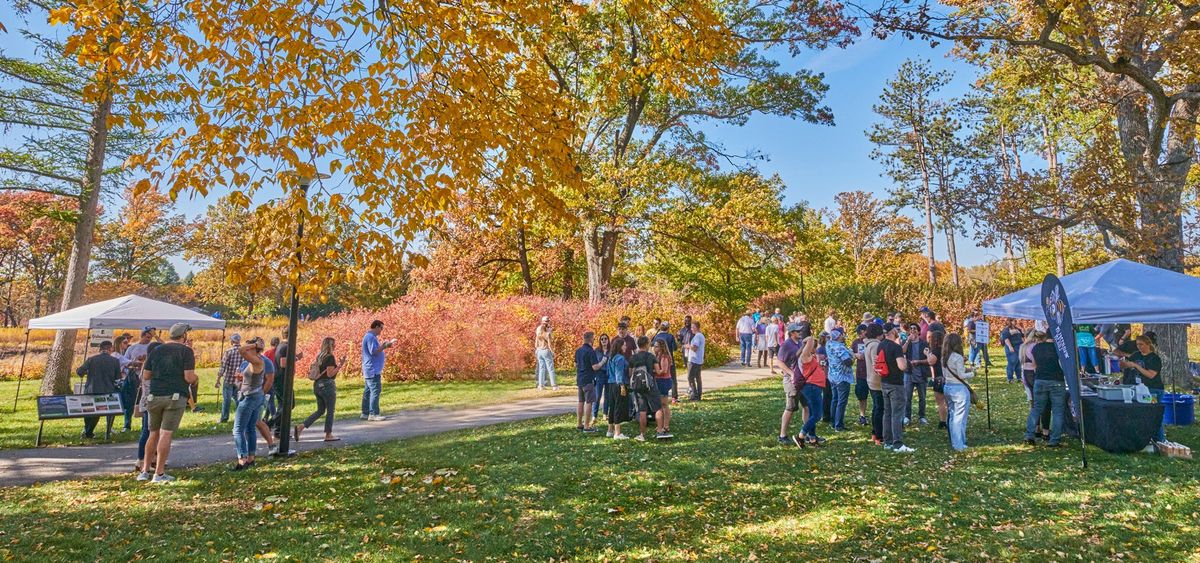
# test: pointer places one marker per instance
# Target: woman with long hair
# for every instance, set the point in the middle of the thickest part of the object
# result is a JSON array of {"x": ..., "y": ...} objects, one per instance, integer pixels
[
  {"x": 662, "y": 378},
  {"x": 956, "y": 395},
  {"x": 616, "y": 406},
  {"x": 325, "y": 389},
  {"x": 258, "y": 377},
  {"x": 937, "y": 358},
  {"x": 602, "y": 345}
]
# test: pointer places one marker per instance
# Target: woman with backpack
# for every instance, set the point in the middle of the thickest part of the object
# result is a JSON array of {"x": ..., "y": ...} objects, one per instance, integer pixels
[
  {"x": 936, "y": 356},
  {"x": 616, "y": 403},
  {"x": 322, "y": 373},
  {"x": 957, "y": 392}
]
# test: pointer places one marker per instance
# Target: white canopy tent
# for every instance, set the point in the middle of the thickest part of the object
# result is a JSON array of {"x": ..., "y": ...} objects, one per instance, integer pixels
[
  {"x": 129, "y": 312},
  {"x": 1120, "y": 291}
]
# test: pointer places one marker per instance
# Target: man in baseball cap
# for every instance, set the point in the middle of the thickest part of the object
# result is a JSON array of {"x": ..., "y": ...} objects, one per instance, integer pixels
[
  {"x": 789, "y": 362},
  {"x": 227, "y": 376}
]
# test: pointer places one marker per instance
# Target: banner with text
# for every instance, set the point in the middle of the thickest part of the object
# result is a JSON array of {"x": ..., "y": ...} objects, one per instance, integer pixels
[{"x": 1062, "y": 331}]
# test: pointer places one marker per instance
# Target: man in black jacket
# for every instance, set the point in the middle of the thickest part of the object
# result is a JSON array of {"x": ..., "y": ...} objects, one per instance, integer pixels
[{"x": 102, "y": 372}]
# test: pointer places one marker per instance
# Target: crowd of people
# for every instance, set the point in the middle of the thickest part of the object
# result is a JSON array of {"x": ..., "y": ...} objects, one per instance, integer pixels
[
  {"x": 632, "y": 376},
  {"x": 157, "y": 382}
]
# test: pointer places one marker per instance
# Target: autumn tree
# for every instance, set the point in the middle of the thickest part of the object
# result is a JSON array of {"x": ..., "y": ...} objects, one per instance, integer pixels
[
  {"x": 219, "y": 238},
  {"x": 908, "y": 106},
  {"x": 874, "y": 234},
  {"x": 1144, "y": 55},
  {"x": 142, "y": 235},
  {"x": 644, "y": 83},
  {"x": 35, "y": 230}
]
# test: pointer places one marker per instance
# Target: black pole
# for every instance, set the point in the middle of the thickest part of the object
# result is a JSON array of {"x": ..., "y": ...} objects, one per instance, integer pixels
[
  {"x": 285, "y": 419},
  {"x": 1082, "y": 436},
  {"x": 21, "y": 373}
]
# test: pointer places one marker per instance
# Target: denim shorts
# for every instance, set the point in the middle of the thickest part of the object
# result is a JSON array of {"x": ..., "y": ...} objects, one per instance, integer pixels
[{"x": 664, "y": 385}]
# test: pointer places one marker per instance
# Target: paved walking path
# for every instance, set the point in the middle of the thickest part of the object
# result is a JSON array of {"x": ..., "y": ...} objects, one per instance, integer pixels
[{"x": 28, "y": 466}]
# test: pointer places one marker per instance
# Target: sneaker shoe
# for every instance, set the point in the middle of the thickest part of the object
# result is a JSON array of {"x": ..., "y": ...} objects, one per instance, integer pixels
[
  {"x": 364, "y": 417},
  {"x": 786, "y": 441},
  {"x": 889, "y": 447},
  {"x": 1146, "y": 450},
  {"x": 640, "y": 437},
  {"x": 923, "y": 420},
  {"x": 273, "y": 449},
  {"x": 862, "y": 421},
  {"x": 798, "y": 440},
  {"x": 903, "y": 449},
  {"x": 579, "y": 427},
  {"x": 143, "y": 476},
  {"x": 555, "y": 388},
  {"x": 664, "y": 435},
  {"x": 620, "y": 437},
  {"x": 1059, "y": 445},
  {"x": 377, "y": 418},
  {"x": 608, "y": 434},
  {"x": 591, "y": 430},
  {"x": 906, "y": 421},
  {"x": 164, "y": 478}
]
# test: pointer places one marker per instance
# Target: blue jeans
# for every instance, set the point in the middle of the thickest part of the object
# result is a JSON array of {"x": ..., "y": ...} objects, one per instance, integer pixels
[
  {"x": 600, "y": 387},
  {"x": 545, "y": 367},
  {"x": 920, "y": 385},
  {"x": 958, "y": 405},
  {"x": 1012, "y": 370},
  {"x": 228, "y": 397},
  {"x": 977, "y": 350},
  {"x": 812, "y": 394},
  {"x": 373, "y": 385},
  {"x": 245, "y": 437},
  {"x": 841, "y": 397},
  {"x": 128, "y": 391},
  {"x": 1047, "y": 393},
  {"x": 1089, "y": 358},
  {"x": 145, "y": 435},
  {"x": 747, "y": 344},
  {"x": 1162, "y": 434}
]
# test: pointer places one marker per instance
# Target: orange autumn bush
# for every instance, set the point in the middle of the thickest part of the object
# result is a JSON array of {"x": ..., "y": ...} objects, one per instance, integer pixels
[{"x": 442, "y": 335}]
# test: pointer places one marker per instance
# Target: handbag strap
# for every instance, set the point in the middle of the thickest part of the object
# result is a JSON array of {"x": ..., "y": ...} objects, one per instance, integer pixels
[{"x": 960, "y": 380}]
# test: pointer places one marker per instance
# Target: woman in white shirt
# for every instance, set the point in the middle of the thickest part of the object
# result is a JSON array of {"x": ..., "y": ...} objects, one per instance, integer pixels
[{"x": 958, "y": 394}]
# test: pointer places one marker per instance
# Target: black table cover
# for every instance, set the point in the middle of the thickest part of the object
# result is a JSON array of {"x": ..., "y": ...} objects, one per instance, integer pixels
[{"x": 1119, "y": 427}]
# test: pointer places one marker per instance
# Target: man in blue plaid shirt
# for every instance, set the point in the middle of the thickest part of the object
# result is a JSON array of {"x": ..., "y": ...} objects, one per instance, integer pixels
[{"x": 227, "y": 375}]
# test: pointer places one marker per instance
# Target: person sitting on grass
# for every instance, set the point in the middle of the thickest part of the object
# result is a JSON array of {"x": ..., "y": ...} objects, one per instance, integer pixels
[{"x": 616, "y": 402}]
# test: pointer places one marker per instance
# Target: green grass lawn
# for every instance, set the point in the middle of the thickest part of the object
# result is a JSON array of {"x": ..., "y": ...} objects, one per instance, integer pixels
[
  {"x": 19, "y": 430},
  {"x": 722, "y": 490}
]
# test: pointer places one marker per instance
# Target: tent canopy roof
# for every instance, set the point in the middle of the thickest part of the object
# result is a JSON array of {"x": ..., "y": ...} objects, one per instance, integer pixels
[
  {"x": 129, "y": 312},
  {"x": 1119, "y": 291}
]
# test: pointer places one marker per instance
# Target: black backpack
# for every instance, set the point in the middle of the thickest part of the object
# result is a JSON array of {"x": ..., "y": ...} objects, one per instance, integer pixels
[{"x": 639, "y": 382}]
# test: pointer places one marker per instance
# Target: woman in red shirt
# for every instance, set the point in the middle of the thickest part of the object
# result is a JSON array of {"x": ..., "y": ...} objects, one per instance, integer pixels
[{"x": 811, "y": 382}]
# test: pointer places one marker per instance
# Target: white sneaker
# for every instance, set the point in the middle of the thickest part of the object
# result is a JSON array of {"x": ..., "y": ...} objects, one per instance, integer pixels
[
  {"x": 364, "y": 417},
  {"x": 164, "y": 478},
  {"x": 903, "y": 450},
  {"x": 608, "y": 434},
  {"x": 273, "y": 449},
  {"x": 1149, "y": 449},
  {"x": 377, "y": 418},
  {"x": 620, "y": 437},
  {"x": 640, "y": 437},
  {"x": 143, "y": 476},
  {"x": 906, "y": 421},
  {"x": 924, "y": 421}
]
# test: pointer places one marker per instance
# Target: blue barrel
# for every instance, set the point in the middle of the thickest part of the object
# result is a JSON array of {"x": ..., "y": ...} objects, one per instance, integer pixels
[{"x": 1178, "y": 409}]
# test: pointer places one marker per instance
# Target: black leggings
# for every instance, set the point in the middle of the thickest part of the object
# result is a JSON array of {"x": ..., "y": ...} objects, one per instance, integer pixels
[
  {"x": 877, "y": 413},
  {"x": 326, "y": 392}
]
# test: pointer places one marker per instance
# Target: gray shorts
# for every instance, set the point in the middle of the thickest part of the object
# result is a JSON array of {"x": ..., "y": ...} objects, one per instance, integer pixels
[
  {"x": 792, "y": 397},
  {"x": 165, "y": 412}
]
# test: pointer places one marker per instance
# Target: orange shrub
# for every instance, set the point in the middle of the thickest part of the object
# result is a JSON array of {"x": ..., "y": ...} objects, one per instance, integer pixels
[{"x": 444, "y": 335}]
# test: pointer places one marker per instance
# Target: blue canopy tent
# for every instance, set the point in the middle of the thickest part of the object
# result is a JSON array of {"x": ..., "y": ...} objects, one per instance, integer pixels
[{"x": 1120, "y": 291}]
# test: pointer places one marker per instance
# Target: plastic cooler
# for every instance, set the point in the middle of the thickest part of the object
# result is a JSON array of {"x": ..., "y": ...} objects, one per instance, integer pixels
[{"x": 1178, "y": 409}]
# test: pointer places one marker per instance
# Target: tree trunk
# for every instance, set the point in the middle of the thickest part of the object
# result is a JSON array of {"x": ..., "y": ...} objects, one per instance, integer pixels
[
  {"x": 929, "y": 238},
  {"x": 599, "y": 246},
  {"x": 1010, "y": 260},
  {"x": 523, "y": 260},
  {"x": 568, "y": 283},
  {"x": 950, "y": 249},
  {"x": 57, "y": 380}
]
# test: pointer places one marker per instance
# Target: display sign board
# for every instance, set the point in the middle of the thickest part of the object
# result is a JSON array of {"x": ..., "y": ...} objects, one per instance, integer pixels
[
  {"x": 99, "y": 335},
  {"x": 983, "y": 332},
  {"x": 75, "y": 406}
]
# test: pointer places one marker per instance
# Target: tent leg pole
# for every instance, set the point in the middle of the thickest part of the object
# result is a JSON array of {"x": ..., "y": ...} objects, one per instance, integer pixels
[
  {"x": 1082, "y": 437},
  {"x": 21, "y": 372},
  {"x": 987, "y": 392}
]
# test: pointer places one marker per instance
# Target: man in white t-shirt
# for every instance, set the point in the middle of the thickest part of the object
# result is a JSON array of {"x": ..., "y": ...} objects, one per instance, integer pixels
[
  {"x": 831, "y": 321},
  {"x": 745, "y": 336},
  {"x": 695, "y": 354}
]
